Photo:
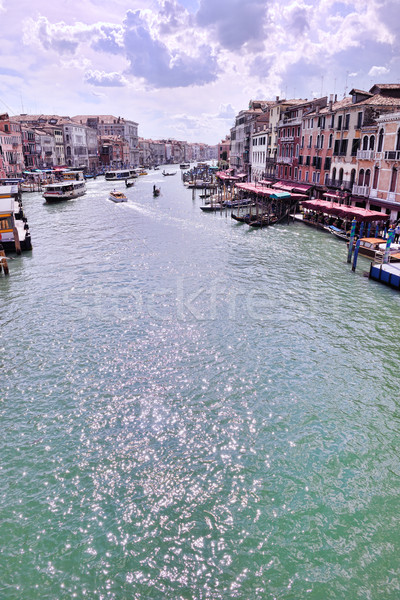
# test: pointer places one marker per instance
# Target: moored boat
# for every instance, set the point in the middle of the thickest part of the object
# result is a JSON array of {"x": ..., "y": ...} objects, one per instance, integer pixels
[
  {"x": 374, "y": 248},
  {"x": 14, "y": 228}
]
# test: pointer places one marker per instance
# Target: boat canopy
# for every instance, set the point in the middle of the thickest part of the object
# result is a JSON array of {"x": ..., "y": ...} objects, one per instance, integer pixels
[{"x": 6, "y": 206}]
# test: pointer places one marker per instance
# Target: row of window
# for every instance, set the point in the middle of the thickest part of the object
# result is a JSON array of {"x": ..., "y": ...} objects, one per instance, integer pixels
[
  {"x": 261, "y": 141},
  {"x": 364, "y": 177}
]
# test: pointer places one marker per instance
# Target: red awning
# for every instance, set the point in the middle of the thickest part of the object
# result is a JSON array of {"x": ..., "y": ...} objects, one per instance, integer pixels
[
  {"x": 256, "y": 189},
  {"x": 345, "y": 212},
  {"x": 299, "y": 187}
]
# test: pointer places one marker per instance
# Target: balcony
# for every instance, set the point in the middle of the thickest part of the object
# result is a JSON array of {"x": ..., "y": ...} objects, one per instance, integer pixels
[
  {"x": 392, "y": 155},
  {"x": 365, "y": 154},
  {"x": 342, "y": 184},
  {"x": 285, "y": 159},
  {"x": 294, "y": 121},
  {"x": 361, "y": 190}
]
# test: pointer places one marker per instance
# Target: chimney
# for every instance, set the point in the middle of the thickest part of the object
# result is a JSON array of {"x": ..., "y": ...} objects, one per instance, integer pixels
[{"x": 277, "y": 98}]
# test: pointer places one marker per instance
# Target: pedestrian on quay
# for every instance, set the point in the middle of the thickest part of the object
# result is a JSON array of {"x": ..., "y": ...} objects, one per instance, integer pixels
[{"x": 397, "y": 233}]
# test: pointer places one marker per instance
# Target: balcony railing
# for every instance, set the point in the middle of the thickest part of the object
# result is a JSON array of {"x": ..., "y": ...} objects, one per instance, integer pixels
[
  {"x": 392, "y": 155},
  {"x": 341, "y": 184},
  {"x": 365, "y": 154},
  {"x": 361, "y": 190},
  {"x": 285, "y": 159}
]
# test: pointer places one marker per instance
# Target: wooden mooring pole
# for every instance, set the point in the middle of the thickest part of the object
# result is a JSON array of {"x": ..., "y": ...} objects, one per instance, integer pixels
[{"x": 3, "y": 261}]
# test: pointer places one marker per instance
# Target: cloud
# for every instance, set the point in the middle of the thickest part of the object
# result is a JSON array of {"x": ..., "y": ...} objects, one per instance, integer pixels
[
  {"x": 377, "y": 71},
  {"x": 152, "y": 60},
  {"x": 235, "y": 22},
  {"x": 226, "y": 111},
  {"x": 173, "y": 18},
  {"x": 297, "y": 20},
  {"x": 108, "y": 39},
  {"x": 101, "y": 78}
]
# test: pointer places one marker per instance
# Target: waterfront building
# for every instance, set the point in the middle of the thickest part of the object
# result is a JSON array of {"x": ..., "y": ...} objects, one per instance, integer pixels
[
  {"x": 30, "y": 148},
  {"x": 108, "y": 125},
  {"x": 2, "y": 167},
  {"x": 114, "y": 151},
  {"x": 241, "y": 134},
  {"x": 11, "y": 145},
  {"x": 294, "y": 131},
  {"x": 315, "y": 155},
  {"x": 157, "y": 152},
  {"x": 223, "y": 150},
  {"x": 377, "y": 185},
  {"x": 76, "y": 150},
  {"x": 259, "y": 144}
]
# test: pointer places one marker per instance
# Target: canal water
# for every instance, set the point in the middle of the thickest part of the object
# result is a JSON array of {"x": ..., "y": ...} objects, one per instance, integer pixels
[{"x": 194, "y": 410}]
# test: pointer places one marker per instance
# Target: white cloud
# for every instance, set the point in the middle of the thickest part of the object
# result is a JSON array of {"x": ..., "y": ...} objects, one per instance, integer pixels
[
  {"x": 101, "y": 78},
  {"x": 377, "y": 71}
]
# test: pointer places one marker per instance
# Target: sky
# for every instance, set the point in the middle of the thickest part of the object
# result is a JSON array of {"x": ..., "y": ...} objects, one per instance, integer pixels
[{"x": 183, "y": 69}]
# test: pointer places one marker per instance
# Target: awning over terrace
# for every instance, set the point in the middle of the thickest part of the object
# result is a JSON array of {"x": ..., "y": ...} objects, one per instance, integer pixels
[
  {"x": 256, "y": 189},
  {"x": 345, "y": 212},
  {"x": 225, "y": 176}
]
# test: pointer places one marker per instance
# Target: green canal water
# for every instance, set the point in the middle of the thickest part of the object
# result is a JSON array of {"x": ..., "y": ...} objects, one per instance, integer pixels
[{"x": 194, "y": 410}]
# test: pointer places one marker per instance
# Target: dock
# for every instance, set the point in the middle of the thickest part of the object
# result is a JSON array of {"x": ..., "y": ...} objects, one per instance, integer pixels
[{"x": 388, "y": 274}]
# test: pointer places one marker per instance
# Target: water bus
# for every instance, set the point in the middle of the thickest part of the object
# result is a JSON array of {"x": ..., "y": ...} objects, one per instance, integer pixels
[{"x": 64, "y": 190}]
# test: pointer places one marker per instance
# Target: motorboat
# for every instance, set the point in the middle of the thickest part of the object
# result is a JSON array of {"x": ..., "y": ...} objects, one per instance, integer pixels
[
  {"x": 374, "y": 248},
  {"x": 117, "y": 196}
]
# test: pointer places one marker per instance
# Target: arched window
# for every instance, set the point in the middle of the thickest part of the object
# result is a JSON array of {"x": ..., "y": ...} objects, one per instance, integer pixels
[
  {"x": 361, "y": 177},
  {"x": 340, "y": 175},
  {"x": 380, "y": 141},
  {"x": 317, "y": 144},
  {"x": 330, "y": 140},
  {"x": 365, "y": 143},
  {"x": 322, "y": 142},
  {"x": 398, "y": 140},
  {"x": 367, "y": 177},
  {"x": 372, "y": 142},
  {"x": 68, "y": 150},
  {"x": 393, "y": 180},
  {"x": 334, "y": 173},
  {"x": 376, "y": 177},
  {"x": 352, "y": 177}
]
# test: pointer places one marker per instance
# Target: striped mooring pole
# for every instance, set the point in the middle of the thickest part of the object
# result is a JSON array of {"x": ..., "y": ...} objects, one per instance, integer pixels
[
  {"x": 351, "y": 240},
  {"x": 388, "y": 244}
]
